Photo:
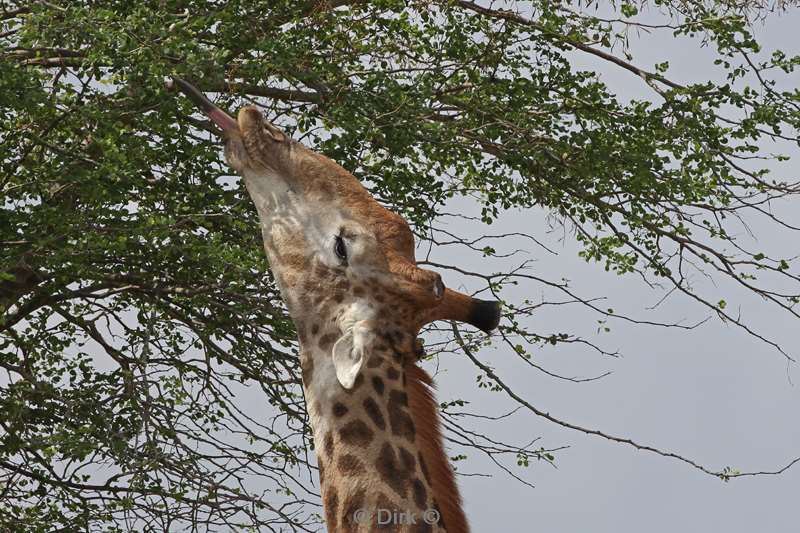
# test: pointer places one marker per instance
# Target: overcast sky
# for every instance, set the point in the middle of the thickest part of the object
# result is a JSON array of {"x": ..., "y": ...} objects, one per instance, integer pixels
[{"x": 714, "y": 394}]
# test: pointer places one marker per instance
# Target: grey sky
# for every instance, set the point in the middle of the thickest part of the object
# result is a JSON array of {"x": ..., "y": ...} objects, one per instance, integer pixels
[{"x": 714, "y": 394}]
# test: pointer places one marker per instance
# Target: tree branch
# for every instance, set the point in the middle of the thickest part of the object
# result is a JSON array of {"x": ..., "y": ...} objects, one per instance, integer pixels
[
  {"x": 725, "y": 474},
  {"x": 519, "y": 19}
]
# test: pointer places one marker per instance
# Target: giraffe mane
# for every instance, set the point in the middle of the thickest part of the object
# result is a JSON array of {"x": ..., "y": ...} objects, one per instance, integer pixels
[{"x": 425, "y": 414}]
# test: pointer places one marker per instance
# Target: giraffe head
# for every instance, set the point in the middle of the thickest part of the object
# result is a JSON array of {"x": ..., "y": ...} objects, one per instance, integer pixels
[{"x": 345, "y": 264}]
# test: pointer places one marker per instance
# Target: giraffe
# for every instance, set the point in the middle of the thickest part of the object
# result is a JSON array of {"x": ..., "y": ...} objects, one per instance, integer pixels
[{"x": 346, "y": 270}]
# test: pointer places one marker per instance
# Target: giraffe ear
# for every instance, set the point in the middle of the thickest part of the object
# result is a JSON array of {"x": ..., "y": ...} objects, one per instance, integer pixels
[{"x": 348, "y": 356}]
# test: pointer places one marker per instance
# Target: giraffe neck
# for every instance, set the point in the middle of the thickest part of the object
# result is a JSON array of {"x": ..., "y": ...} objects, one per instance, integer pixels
[{"x": 380, "y": 453}]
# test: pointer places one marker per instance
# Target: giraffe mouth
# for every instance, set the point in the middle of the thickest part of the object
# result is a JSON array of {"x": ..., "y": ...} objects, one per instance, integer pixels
[{"x": 219, "y": 117}]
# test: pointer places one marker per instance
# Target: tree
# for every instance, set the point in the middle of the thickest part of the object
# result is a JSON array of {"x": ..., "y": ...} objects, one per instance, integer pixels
[{"x": 136, "y": 302}]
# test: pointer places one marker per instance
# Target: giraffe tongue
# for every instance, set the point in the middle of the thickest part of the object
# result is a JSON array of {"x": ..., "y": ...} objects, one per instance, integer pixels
[{"x": 218, "y": 116}]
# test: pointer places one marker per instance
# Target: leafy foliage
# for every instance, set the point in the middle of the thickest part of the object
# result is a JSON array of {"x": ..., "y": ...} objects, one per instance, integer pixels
[{"x": 135, "y": 297}]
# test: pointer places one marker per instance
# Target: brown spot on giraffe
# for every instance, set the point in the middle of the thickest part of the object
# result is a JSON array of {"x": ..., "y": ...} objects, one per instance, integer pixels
[
  {"x": 397, "y": 356},
  {"x": 399, "y": 397},
  {"x": 407, "y": 458},
  {"x": 356, "y": 433},
  {"x": 441, "y": 517},
  {"x": 374, "y": 413},
  {"x": 326, "y": 341},
  {"x": 392, "y": 471},
  {"x": 377, "y": 384},
  {"x": 422, "y": 527},
  {"x": 420, "y": 494},
  {"x": 349, "y": 465},
  {"x": 339, "y": 410},
  {"x": 399, "y": 419}
]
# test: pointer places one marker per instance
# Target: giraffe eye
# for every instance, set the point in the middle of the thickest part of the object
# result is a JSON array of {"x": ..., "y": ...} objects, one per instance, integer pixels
[{"x": 340, "y": 249}]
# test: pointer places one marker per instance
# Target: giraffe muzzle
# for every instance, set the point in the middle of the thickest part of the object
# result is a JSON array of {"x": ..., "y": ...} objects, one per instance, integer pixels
[{"x": 219, "y": 117}]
